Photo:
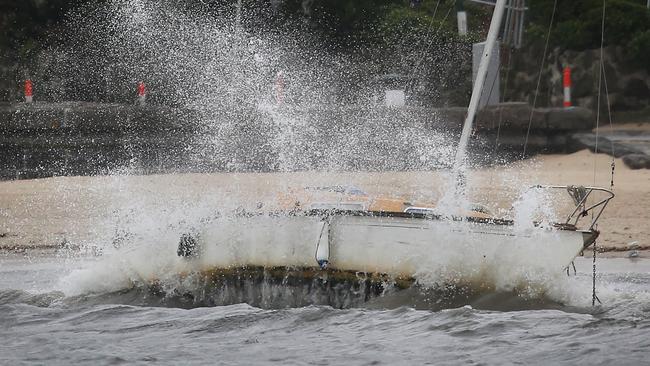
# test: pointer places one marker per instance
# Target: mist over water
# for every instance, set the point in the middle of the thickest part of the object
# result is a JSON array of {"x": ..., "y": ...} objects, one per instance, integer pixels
[
  {"x": 264, "y": 97},
  {"x": 259, "y": 92}
]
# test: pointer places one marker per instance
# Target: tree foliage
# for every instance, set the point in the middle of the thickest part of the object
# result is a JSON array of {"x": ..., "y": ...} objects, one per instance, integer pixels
[
  {"x": 577, "y": 24},
  {"x": 26, "y": 22}
]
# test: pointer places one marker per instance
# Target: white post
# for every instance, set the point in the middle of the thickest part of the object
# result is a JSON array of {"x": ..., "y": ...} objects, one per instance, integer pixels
[
  {"x": 493, "y": 32},
  {"x": 461, "y": 16}
]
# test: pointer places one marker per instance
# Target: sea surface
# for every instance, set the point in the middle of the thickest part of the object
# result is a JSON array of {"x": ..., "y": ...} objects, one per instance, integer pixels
[{"x": 43, "y": 322}]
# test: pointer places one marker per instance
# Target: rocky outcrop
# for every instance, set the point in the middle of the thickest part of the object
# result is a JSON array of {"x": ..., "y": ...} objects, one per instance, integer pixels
[
  {"x": 628, "y": 85},
  {"x": 632, "y": 146},
  {"x": 519, "y": 116},
  {"x": 75, "y": 138},
  {"x": 637, "y": 161}
]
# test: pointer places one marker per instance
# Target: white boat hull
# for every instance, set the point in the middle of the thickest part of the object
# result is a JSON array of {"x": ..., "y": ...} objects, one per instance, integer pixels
[{"x": 400, "y": 246}]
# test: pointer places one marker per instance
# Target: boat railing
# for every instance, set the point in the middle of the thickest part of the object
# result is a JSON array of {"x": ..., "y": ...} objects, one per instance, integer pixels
[{"x": 580, "y": 195}]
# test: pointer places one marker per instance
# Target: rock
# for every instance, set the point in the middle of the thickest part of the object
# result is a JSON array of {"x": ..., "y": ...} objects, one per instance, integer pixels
[
  {"x": 575, "y": 118},
  {"x": 450, "y": 119},
  {"x": 583, "y": 84},
  {"x": 637, "y": 88},
  {"x": 629, "y": 81},
  {"x": 618, "y": 144},
  {"x": 585, "y": 102},
  {"x": 637, "y": 161},
  {"x": 512, "y": 116},
  {"x": 617, "y": 102}
]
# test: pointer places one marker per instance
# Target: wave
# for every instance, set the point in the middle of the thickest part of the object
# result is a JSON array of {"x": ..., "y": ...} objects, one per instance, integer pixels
[{"x": 15, "y": 296}]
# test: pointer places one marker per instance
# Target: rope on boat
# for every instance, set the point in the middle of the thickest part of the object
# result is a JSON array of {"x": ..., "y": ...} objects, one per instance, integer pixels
[
  {"x": 323, "y": 262},
  {"x": 575, "y": 271},
  {"x": 539, "y": 77}
]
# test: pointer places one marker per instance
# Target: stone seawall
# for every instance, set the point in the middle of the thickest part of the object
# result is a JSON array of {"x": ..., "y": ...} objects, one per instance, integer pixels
[
  {"x": 627, "y": 84},
  {"x": 75, "y": 138}
]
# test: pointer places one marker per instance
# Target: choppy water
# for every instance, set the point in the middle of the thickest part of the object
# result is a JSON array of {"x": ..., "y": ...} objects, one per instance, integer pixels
[{"x": 40, "y": 324}]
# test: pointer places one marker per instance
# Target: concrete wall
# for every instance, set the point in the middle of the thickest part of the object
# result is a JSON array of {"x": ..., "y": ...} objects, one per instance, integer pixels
[{"x": 73, "y": 138}]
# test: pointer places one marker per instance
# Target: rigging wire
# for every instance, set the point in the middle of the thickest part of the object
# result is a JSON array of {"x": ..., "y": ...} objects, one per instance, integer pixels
[
  {"x": 611, "y": 128},
  {"x": 429, "y": 36},
  {"x": 503, "y": 99},
  {"x": 594, "y": 297},
  {"x": 431, "y": 39},
  {"x": 503, "y": 96},
  {"x": 496, "y": 79},
  {"x": 539, "y": 77},
  {"x": 424, "y": 52},
  {"x": 600, "y": 80},
  {"x": 505, "y": 83}
]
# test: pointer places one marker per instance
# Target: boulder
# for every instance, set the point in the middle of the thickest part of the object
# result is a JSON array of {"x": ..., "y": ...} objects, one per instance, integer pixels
[
  {"x": 635, "y": 87},
  {"x": 637, "y": 161},
  {"x": 574, "y": 118},
  {"x": 579, "y": 141},
  {"x": 449, "y": 119},
  {"x": 512, "y": 115}
]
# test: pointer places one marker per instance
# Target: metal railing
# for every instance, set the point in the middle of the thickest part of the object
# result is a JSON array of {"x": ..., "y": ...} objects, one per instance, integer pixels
[{"x": 580, "y": 195}]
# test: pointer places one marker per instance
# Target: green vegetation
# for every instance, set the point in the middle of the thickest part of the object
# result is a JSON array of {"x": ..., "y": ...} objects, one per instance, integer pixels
[
  {"x": 390, "y": 36},
  {"x": 578, "y": 26},
  {"x": 26, "y": 22}
]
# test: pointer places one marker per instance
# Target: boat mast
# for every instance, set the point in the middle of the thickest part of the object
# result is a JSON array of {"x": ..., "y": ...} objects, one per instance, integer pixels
[{"x": 493, "y": 32}]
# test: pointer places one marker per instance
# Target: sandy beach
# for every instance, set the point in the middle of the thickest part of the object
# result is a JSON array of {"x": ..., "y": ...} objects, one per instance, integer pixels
[{"x": 90, "y": 211}]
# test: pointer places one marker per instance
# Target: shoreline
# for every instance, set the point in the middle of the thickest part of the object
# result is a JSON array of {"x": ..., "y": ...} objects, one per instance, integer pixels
[{"x": 88, "y": 212}]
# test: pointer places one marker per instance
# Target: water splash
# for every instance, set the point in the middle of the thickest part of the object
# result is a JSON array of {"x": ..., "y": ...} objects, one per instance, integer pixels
[{"x": 225, "y": 74}]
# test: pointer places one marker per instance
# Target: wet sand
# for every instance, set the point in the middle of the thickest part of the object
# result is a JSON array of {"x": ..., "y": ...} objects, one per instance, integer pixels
[{"x": 81, "y": 211}]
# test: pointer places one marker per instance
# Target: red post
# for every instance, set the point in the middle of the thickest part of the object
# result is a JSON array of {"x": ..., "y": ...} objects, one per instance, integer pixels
[
  {"x": 29, "y": 91},
  {"x": 142, "y": 93},
  {"x": 567, "y": 86}
]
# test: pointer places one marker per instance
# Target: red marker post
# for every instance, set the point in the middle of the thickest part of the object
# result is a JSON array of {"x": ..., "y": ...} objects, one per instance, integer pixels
[
  {"x": 29, "y": 91},
  {"x": 142, "y": 93},
  {"x": 567, "y": 86}
]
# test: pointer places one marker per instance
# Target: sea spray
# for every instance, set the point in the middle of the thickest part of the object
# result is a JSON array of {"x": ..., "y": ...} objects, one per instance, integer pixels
[
  {"x": 534, "y": 208},
  {"x": 223, "y": 76},
  {"x": 226, "y": 74}
]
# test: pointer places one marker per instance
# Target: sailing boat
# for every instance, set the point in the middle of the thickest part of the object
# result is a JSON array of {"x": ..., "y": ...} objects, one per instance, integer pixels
[{"x": 343, "y": 232}]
